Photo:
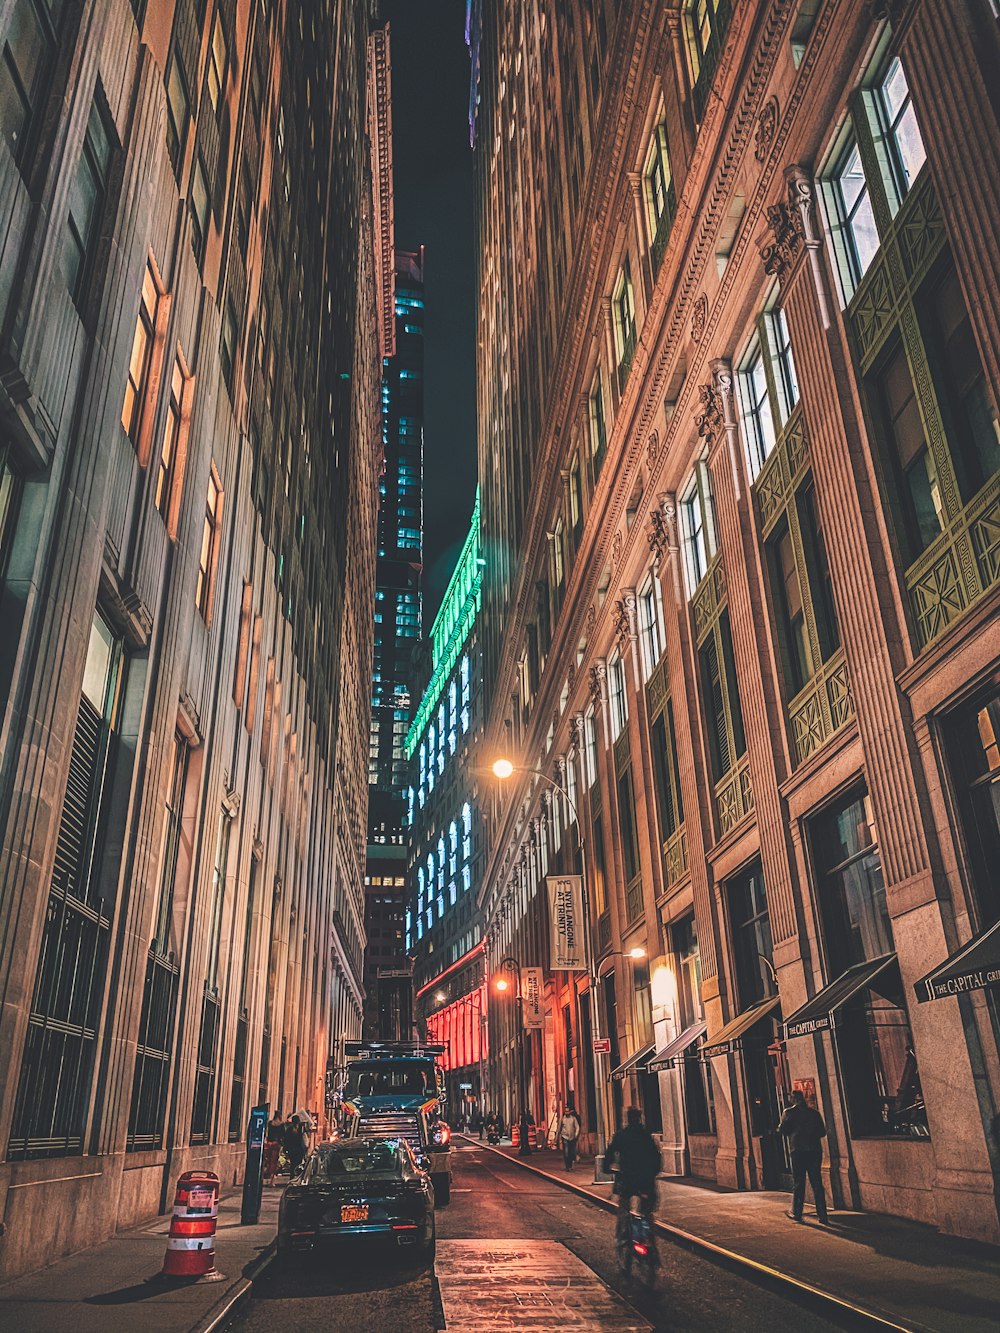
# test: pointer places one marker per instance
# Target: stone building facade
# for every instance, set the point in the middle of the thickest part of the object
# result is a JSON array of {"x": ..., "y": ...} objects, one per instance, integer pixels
[
  {"x": 738, "y": 385},
  {"x": 190, "y": 305}
]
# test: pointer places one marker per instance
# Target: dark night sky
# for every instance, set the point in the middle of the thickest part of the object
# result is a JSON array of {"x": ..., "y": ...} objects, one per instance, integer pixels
[{"x": 433, "y": 201}]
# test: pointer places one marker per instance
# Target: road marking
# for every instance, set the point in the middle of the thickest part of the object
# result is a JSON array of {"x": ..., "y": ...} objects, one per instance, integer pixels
[{"x": 534, "y": 1286}]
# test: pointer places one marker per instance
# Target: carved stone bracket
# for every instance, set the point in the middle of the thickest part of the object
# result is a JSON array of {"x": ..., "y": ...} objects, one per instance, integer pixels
[
  {"x": 591, "y": 620},
  {"x": 625, "y": 621},
  {"x": 617, "y": 543},
  {"x": 780, "y": 242},
  {"x": 708, "y": 414},
  {"x": 656, "y": 535},
  {"x": 652, "y": 448},
  {"x": 598, "y": 679}
]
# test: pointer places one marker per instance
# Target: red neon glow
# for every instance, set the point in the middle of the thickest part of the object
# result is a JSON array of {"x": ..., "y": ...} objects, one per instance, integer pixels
[{"x": 457, "y": 1027}]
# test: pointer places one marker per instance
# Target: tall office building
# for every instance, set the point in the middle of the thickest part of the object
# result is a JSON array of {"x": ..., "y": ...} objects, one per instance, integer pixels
[
  {"x": 397, "y": 635},
  {"x": 190, "y": 306},
  {"x": 446, "y": 844},
  {"x": 739, "y": 362}
]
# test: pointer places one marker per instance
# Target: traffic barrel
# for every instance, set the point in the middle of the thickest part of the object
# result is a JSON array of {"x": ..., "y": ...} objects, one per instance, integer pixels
[{"x": 191, "y": 1242}]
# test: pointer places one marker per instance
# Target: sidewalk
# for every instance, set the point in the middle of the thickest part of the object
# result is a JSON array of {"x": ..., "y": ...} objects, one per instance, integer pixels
[
  {"x": 113, "y": 1286},
  {"x": 904, "y": 1272}
]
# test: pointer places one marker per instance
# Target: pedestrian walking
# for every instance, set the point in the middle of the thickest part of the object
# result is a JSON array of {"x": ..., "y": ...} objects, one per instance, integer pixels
[
  {"x": 569, "y": 1135},
  {"x": 295, "y": 1144},
  {"x": 805, "y": 1130},
  {"x": 273, "y": 1138}
]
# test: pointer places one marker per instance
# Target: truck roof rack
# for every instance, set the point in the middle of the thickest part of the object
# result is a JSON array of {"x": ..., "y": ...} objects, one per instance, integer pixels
[{"x": 391, "y": 1049}]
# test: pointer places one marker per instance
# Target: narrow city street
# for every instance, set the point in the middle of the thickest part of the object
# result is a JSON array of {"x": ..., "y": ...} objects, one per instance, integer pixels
[{"x": 513, "y": 1252}]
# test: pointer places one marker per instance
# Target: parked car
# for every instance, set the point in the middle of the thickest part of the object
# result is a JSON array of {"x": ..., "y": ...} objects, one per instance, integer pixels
[{"x": 358, "y": 1187}]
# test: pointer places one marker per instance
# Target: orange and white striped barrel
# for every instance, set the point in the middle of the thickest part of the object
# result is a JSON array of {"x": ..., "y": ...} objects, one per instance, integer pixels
[{"x": 191, "y": 1242}]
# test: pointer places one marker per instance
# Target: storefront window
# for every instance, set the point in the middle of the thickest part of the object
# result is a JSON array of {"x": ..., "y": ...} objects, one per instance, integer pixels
[
  {"x": 974, "y": 745},
  {"x": 874, "y": 1042},
  {"x": 699, "y": 1104}
]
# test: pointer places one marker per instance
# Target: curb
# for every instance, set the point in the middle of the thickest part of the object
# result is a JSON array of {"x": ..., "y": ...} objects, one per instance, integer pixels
[
  {"x": 237, "y": 1295},
  {"x": 813, "y": 1298}
]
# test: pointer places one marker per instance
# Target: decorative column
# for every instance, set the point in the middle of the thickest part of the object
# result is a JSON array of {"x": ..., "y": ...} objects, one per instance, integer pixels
[{"x": 763, "y": 718}]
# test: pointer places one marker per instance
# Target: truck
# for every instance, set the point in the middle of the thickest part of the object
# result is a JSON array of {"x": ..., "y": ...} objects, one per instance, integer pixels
[{"x": 395, "y": 1090}]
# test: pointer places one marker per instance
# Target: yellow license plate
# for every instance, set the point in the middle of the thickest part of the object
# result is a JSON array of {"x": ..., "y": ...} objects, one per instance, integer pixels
[{"x": 354, "y": 1212}]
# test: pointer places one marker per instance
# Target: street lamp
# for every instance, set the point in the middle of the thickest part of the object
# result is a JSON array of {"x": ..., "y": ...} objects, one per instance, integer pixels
[
  {"x": 504, "y": 768},
  {"x": 502, "y": 984}
]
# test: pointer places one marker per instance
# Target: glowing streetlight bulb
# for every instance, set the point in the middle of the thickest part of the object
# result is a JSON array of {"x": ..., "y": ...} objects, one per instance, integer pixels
[
  {"x": 502, "y": 768},
  {"x": 637, "y": 952},
  {"x": 502, "y": 983},
  {"x": 440, "y": 996}
]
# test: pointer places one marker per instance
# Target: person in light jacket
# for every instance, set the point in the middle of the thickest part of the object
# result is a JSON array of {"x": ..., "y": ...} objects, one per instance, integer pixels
[
  {"x": 805, "y": 1130},
  {"x": 569, "y": 1135}
]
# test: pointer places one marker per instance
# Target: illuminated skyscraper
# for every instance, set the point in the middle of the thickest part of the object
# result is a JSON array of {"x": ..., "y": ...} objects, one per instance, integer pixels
[{"x": 397, "y": 632}]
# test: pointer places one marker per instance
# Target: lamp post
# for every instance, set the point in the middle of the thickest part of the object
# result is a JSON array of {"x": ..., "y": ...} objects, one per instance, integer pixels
[
  {"x": 503, "y": 769},
  {"x": 512, "y": 965}
]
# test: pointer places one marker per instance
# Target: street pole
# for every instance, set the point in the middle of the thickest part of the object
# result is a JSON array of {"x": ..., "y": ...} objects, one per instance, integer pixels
[
  {"x": 524, "y": 1146},
  {"x": 595, "y": 1005}
]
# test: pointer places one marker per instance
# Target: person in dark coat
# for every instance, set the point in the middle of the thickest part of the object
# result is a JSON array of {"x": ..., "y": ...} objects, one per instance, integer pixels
[
  {"x": 635, "y": 1160},
  {"x": 295, "y": 1143},
  {"x": 805, "y": 1130}
]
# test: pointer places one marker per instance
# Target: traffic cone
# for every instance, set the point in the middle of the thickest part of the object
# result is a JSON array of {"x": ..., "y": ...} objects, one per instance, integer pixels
[{"x": 191, "y": 1242}]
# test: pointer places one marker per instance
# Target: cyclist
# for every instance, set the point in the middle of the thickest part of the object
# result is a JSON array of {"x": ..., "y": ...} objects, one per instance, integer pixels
[{"x": 635, "y": 1160}]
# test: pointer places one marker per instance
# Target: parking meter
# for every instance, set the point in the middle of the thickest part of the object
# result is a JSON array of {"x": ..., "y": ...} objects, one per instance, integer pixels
[{"x": 253, "y": 1175}]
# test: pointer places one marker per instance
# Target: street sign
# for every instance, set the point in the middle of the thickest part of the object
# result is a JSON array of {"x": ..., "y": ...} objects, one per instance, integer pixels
[
  {"x": 602, "y": 1045},
  {"x": 465, "y": 1087}
]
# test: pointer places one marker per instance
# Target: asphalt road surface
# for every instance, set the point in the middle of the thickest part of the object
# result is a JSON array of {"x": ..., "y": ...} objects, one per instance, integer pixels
[{"x": 514, "y": 1253}]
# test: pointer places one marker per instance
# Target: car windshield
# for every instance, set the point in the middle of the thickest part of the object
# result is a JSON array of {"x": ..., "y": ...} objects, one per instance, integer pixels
[
  {"x": 375, "y": 1078},
  {"x": 368, "y": 1157}
]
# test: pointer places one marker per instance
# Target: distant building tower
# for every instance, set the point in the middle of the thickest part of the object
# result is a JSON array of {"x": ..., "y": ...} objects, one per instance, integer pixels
[
  {"x": 397, "y": 633},
  {"x": 443, "y": 923}
]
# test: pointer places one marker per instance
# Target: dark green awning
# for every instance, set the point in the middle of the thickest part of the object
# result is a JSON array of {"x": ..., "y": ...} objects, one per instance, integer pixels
[
  {"x": 817, "y": 1014},
  {"x": 975, "y": 967},
  {"x": 668, "y": 1056},
  {"x": 630, "y": 1066},
  {"x": 737, "y": 1028}
]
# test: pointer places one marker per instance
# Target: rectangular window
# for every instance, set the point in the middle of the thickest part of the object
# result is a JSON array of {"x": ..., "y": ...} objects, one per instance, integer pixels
[
  {"x": 178, "y": 111},
  {"x": 817, "y": 571},
  {"x": 626, "y": 820},
  {"x": 167, "y": 464},
  {"x": 53, "y": 1096},
  {"x": 227, "y": 343},
  {"x": 216, "y": 72},
  {"x": 25, "y": 67},
  {"x": 199, "y": 209},
  {"x": 208, "y": 553},
  {"x": 666, "y": 774},
  {"x": 787, "y": 593},
  {"x": 617, "y": 696},
  {"x": 698, "y": 526},
  {"x": 575, "y": 499},
  {"x": 750, "y": 926},
  {"x": 659, "y": 184},
  {"x": 781, "y": 350},
  {"x": 874, "y": 1041},
  {"x": 650, "y": 634},
  {"x": 86, "y": 205},
  {"x": 598, "y": 427},
  {"x": 723, "y": 714},
  {"x": 142, "y": 352},
  {"x": 624, "y": 319},
  {"x": 912, "y": 462},
  {"x": 970, "y": 418},
  {"x": 590, "y": 747},
  {"x": 898, "y": 123},
  {"x": 855, "y": 215},
  {"x": 973, "y": 738},
  {"x": 699, "y": 1105},
  {"x": 758, "y": 423}
]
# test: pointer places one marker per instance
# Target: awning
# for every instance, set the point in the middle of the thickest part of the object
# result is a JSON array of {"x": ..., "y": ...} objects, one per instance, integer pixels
[
  {"x": 629, "y": 1065},
  {"x": 667, "y": 1057},
  {"x": 975, "y": 967},
  {"x": 816, "y": 1015},
  {"x": 737, "y": 1028}
]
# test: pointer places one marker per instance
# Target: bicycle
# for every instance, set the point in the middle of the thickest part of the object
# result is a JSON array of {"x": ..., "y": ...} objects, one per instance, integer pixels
[{"x": 636, "y": 1241}]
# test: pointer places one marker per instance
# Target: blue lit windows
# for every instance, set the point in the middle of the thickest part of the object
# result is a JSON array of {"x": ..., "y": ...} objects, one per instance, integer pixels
[
  {"x": 466, "y": 832},
  {"x": 452, "y": 893},
  {"x": 453, "y": 848},
  {"x": 441, "y": 863},
  {"x": 466, "y": 878}
]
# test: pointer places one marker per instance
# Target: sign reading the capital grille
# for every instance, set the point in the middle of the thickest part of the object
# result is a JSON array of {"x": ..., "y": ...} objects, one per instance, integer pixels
[
  {"x": 531, "y": 997},
  {"x": 566, "y": 913}
]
